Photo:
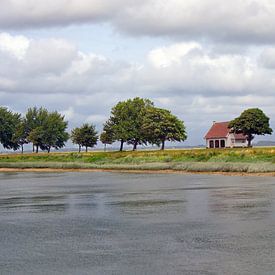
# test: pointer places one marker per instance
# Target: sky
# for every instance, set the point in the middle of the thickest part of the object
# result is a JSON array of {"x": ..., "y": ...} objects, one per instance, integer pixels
[{"x": 204, "y": 60}]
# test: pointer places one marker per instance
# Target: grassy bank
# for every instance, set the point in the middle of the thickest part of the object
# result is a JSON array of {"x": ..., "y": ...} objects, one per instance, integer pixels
[{"x": 253, "y": 160}]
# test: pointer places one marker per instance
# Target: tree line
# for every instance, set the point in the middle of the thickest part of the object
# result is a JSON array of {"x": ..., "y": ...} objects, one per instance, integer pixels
[{"x": 134, "y": 121}]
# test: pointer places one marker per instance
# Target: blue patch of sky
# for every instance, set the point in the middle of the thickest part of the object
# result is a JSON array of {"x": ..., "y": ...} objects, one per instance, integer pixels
[{"x": 100, "y": 39}]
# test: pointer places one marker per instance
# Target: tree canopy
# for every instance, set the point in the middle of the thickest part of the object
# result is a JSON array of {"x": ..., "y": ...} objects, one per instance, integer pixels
[
  {"x": 134, "y": 121},
  {"x": 86, "y": 136},
  {"x": 46, "y": 129},
  {"x": 9, "y": 123},
  {"x": 106, "y": 137},
  {"x": 251, "y": 122},
  {"x": 159, "y": 125},
  {"x": 126, "y": 121}
]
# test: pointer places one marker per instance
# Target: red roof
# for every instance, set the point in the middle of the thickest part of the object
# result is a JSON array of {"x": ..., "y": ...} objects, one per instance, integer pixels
[{"x": 220, "y": 130}]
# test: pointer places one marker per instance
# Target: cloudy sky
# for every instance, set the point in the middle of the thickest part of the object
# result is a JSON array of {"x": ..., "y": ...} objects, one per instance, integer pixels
[{"x": 204, "y": 60}]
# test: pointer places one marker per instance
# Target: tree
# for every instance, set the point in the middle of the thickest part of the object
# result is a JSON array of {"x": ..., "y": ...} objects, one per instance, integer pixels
[
  {"x": 46, "y": 129},
  {"x": 54, "y": 132},
  {"x": 126, "y": 121},
  {"x": 251, "y": 122},
  {"x": 136, "y": 109},
  {"x": 86, "y": 136},
  {"x": 160, "y": 125},
  {"x": 36, "y": 136},
  {"x": 20, "y": 136},
  {"x": 76, "y": 138},
  {"x": 108, "y": 134},
  {"x": 9, "y": 122},
  {"x": 106, "y": 137},
  {"x": 35, "y": 119}
]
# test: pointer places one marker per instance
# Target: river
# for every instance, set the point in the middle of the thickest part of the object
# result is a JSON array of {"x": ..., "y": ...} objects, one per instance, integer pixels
[{"x": 117, "y": 223}]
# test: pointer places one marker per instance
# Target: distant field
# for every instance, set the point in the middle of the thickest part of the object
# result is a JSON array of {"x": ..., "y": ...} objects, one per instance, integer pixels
[{"x": 236, "y": 160}]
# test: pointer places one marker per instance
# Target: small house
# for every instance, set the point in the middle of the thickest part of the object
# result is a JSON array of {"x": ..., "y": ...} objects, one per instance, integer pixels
[{"x": 220, "y": 136}]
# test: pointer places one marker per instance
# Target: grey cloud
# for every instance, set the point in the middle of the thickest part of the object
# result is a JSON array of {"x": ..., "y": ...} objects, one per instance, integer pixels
[
  {"x": 197, "y": 85},
  {"x": 250, "y": 21},
  {"x": 49, "y": 56},
  {"x": 24, "y": 14},
  {"x": 267, "y": 58}
]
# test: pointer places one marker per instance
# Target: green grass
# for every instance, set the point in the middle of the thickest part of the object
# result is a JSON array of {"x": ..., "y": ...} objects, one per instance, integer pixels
[{"x": 226, "y": 160}]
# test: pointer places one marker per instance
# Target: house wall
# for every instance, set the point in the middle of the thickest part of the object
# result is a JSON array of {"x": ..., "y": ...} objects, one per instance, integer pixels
[
  {"x": 230, "y": 142},
  {"x": 240, "y": 143},
  {"x": 216, "y": 140}
]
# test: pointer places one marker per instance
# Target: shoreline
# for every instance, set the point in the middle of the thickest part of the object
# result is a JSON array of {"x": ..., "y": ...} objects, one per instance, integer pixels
[{"x": 133, "y": 171}]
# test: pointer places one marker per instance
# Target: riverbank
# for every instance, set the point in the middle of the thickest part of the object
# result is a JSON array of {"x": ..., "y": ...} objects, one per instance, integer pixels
[
  {"x": 58, "y": 170},
  {"x": 238, "y": 161}
]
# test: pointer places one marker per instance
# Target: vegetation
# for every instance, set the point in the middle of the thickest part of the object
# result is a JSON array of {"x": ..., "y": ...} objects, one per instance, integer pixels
[
  {"x": 136, "y": 121},
  {"x": 9, "y": 122},
  {"x": 132, "y": 121},
  {"x": 44, "y": 129},
  {"x": 106, "y": 138},
  {"x": 160, "y": 125},
  {"x": 250, "y": 160},
  {"x": 126, "y": 120},
  {"x": 86, "y": 136},
  {"x": 251, "y": 122}
]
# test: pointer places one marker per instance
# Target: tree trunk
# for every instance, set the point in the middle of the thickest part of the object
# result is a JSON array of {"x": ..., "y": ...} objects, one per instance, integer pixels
[
  {"x": 86, "y": 149},
  {"x": 135, "y": 145},
  {"x": 249, "y": 139},
  {"x": 36, "y": 148},
  {"x": 22, "y": 149},
  {"x": 105, "y": 147},
  {"x": 33, "y": 148},
  {"x": 162, "y": 145},
  {"x": 121, "y": 145},
  {"x": 49, "y": 149},
  {"x": 79, "y": 148}
]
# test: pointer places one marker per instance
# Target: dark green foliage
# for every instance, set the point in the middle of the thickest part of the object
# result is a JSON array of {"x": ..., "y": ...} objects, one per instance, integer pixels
[
  {"x": 160, "y": 125},
  {"x": 20, "y": 136},
  {"x": 251, "y": 122},
  {"x": 126, "y": 121},
  {"x": 45, "y": 129},
  {"x": 9, "y": 123},
  {"x": 106, "y": 137},
  {"x": 54, "y": 132},
  {"x": 86, "y": 136},
  {"x": 76, "y": 137}
]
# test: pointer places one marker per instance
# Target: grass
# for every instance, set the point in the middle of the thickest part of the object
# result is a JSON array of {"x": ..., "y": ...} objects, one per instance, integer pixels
[{"x": 249, "y": 160}]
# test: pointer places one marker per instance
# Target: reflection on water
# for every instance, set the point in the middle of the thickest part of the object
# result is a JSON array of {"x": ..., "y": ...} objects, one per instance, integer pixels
[{"x": 101, "y": 223}]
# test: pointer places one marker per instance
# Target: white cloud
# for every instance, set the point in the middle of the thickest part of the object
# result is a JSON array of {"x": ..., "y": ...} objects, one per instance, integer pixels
[
  {"x": 190, "y": 79},
  {"x": 167, "y": 56},
  {"x": 14, "y": 45}
]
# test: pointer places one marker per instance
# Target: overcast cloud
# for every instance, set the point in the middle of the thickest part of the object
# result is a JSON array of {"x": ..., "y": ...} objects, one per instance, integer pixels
[
  {"x": 218, "y": 58},
  {"x": 246, "y": 21}
]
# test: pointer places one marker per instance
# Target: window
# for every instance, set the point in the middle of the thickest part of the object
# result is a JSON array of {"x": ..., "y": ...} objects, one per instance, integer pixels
[
  {"x": 222, "y": 143},
  {"x": 217, "y": 144}
]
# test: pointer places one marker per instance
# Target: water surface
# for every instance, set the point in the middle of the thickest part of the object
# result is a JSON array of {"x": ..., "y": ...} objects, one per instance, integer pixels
[{"x": 111, "y": 223}]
